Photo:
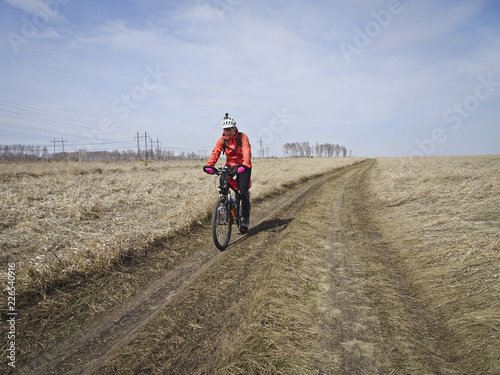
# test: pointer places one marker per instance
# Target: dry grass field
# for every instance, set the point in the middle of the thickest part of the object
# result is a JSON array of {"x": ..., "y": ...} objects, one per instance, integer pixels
[
  {"x": 404, "y": 279},
  {"x": 385, "y": 266},
  {"x": 443, "y": 217},
  {"x": 60, "y": 220}
]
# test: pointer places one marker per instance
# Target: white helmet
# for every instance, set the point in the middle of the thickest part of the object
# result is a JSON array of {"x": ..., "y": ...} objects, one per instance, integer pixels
[{"x": 228, "y": 122}]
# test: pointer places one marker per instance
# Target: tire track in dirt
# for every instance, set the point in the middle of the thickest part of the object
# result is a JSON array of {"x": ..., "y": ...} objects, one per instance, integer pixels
[
  {"x": 209, "y": 313},
  {"x": 349, "y": 327},
  {"x": 383, "y": 325},
  {"x": 85, "y": 353},
  {"x": 187, "y": 342}
]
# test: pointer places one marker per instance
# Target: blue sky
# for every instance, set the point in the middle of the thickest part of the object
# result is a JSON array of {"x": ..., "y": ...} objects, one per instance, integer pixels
[{"x": 383, "y": 78}]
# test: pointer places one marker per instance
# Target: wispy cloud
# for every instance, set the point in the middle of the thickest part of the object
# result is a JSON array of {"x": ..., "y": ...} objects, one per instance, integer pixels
[
  {"x": 253, "y": 58},
  {"x": 29, "y": 6},
  {"x": 47, "y": 12}
]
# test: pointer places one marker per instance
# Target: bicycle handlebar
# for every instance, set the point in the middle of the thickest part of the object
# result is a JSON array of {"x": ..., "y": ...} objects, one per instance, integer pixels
[{"x": 232, "y": 171}]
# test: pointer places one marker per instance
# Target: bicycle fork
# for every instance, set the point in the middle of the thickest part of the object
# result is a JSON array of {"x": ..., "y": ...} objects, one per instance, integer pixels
[
  {"x": 229, "y": 210},
  {"x": 222, "y": 217},
  {"x": 226, "y": 211},
  {"x": 235, "y": 210}
]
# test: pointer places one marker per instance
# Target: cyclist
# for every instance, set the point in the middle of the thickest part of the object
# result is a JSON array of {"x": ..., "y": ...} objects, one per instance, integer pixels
[{"x": 238, "y": 151}]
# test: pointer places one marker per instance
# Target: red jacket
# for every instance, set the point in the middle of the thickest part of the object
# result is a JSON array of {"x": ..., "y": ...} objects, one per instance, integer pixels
[{"x": 234, "y": 154}]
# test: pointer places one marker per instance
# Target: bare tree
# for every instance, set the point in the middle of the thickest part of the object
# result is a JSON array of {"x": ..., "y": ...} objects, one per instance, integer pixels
[{"x": 304, "y": 149}]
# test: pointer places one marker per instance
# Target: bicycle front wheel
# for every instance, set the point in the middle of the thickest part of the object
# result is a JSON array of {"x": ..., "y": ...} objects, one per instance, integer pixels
[{"x": 222, "y": 221}]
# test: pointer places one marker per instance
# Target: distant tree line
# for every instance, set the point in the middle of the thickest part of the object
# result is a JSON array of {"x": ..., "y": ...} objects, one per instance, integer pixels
[
  {"x": 13, "y": 153},
  {"x": 305, "y": 150}
]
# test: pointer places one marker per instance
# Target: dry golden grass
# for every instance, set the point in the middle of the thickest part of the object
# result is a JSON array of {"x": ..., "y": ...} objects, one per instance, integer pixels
[
  {"x": 275, "y": 328},
  {"x": 250, "y": 312},
  {"x": 443, "y": 215},
  {"x": 392, "y": 267},
  {"x": 59, "y": 220}
]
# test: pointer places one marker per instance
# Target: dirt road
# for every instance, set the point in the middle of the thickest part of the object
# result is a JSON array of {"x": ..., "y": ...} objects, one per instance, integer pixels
[{"x": 305, "y": 291}]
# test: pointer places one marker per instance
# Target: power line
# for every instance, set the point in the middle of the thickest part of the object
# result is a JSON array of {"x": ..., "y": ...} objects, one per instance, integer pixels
[
  {"x": 64, "y": 105},
  {"x": 61, "y": 141},
  {"x": 30, "y": 118},
  {"x": 41, "y": 124}
]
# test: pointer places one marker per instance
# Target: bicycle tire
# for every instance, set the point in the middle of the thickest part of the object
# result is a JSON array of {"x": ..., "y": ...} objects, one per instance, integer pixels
[
  {"x": 238, "y": 211},
  {"x": 222, "y": 221}
]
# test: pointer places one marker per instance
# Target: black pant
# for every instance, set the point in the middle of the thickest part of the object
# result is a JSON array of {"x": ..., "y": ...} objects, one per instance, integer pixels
[{"x": 244, "y": 179}]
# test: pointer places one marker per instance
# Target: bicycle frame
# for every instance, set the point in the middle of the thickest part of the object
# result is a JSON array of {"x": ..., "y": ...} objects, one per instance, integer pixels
[
  {"x": 227, "y": 187},
  {"x": 227, "y": 208}
]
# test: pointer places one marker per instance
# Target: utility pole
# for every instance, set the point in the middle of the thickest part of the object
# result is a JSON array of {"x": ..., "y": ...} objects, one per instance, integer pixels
[
  {"x": 157, "y": 148},
  {"x": 139, "y": 137},
  {"x": 138, "y": 148},
  {"x": 261, "y": 151},
  {"x": 61, "y": 141},
  {"x": 146, "y": 144}
]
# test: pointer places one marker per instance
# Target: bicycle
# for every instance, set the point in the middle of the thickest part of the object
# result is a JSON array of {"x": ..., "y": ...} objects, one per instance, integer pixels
[{"x": 227, "y": 209}]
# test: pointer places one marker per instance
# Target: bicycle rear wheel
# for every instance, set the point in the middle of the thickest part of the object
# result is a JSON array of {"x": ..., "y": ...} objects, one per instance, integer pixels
[{"x": 222, "y": 221}]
